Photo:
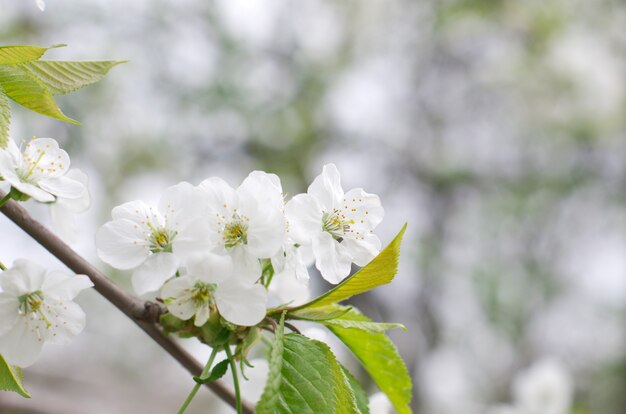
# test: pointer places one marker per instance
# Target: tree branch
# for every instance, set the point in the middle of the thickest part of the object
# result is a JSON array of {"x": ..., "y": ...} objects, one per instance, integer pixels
[{"x": 144, "y": 314}]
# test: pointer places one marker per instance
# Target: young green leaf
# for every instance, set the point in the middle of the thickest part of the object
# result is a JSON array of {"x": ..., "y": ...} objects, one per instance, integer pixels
[
  {"x": 11, "y": 379},
  {"x": 13, "y": 55},
  {"x": 378, "y": 272},
  {"x": 308, "y": 379},
  {"x": 33, "y": 83},
  {"x": 30, "y": 93},
  {"x": 5, "y": 119},
  {"x": 320, "y": 314},
  {"x": 342, "y": 317},
  {"x": 381, "y": 360},
  {"x": 217, "y": 372},
  {"x": 65, "y": 77}
]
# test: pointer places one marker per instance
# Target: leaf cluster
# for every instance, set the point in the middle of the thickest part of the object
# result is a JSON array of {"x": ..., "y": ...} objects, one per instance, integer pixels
[{"x": 33, "y": 83}]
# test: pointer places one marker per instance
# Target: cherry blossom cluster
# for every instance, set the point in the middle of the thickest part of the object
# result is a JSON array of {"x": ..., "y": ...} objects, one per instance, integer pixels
[
  {"x": 36, "y": 305},
  {"x": 214, "y": 248}
]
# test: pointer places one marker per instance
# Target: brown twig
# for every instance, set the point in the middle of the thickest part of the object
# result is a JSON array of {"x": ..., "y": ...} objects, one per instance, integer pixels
[{"x": 144, "y": 314}]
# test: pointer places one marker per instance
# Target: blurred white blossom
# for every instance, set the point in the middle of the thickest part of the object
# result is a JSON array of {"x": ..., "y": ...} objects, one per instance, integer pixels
[{"x": 544, "y": 388}]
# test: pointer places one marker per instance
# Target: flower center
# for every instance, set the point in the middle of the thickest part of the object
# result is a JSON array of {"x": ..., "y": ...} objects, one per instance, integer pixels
[
  {"x": 30, "y": 302},
  {"x": 235, "y": 232},
  {"x": 336, "y": 224},
  {"x": 27, "y": 170},
  {"x": 161, "y": 239},
  {"x": 202, "y": 294}
]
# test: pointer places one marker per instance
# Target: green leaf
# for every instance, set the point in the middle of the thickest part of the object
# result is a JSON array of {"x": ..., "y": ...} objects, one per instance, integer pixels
[
  {"x": 11, "y": 379},
  {"x": 65, "y": 77},
  {"x": 29, "y": 92},
  {"x": 356, "y": 320},
  {"x": 5, "y": 119},
  {"x": 320, "y": 314},
  {"x": 342, "y": 317},
  {"x": 378, "y": 272},
  {"x": 380, "y": 358},
  {"x": 217, "y": 372},
  {"x": 13, "y": 55},
  {"x": 33, "y": 83},
  {"x": 362, "y": 401},
  {"x": 269, "y": 398},
  {"x": 305, "y": 378}
]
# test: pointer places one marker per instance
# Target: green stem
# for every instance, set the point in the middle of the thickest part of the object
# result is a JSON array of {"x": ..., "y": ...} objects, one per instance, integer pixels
[
  {"x": 5, "y": 199},
  {"x": 233, "y": 368},
  {"x": 2, "y": 266},
  {"x": 196, "y": 387}
]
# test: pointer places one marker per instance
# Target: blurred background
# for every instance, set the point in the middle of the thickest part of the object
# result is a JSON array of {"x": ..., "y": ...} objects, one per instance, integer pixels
[{"x": 495, "y": 128}]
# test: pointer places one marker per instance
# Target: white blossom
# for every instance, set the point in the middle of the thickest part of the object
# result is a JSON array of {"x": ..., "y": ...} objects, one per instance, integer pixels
[
  {"x": 39, "y": 171},
  {"x": 545, "y": 388},
  {"x": 337, "y": 225},
  {"x": 41, "y": 4},
  {"x": 210, "y": 284},
  {"x": 154, "y": 241},
  {"x": 248, "y": 222},
  {"x": 35, "y": 307}
]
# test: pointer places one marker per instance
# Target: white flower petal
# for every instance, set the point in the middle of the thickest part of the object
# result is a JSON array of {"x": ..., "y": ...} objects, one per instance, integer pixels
[
  {"x": 8, "y": 163},
  {"x": 20, "y": 346},
  {"x": 41, "y": 4},
  {"x": 304, "y": 215},
  {"x": 67, "y": 321},
  {"x": 60, "y": 285},
  {"x": 14, "y": 151},
  {"x": 326, "y": 188},
  {"x": 177, "y": 296},
  {"x": 63, "y": 211},
  {"x": 246, "y": 266},
  {"x": 287, "y": 288},
  {"x": 279, "y": 260},
  {"x": 63, "y": 222},
  {"x": 202, "y": 315},
  {"x": 210, "y": 267},
  {"x": 241, "y": 303},
  {"x": 180, "y": 204},
  {"x": 24, "y": 277},
  {"x": 122, "y": 244},
  {"x": 219, "y": 197},
  {"x": 266, "y": 232},
  {"x": 42, "y": 157},
  {"x": 331, "y": 258},
  {"x": 31, "y": 190},
  {"x": 81, "y": 203},
  {"x": 264, "y": 188},
  {"x": 363, "y": 209},
  {"x": 363, "y": 250},
  {"x": 192, "y": 237},
  {"x": 9, "y": 308},
  {"x": 137, "y": 212},
  {"x": 62, "y": 187},
  {"x": 151, "y": 275}
]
